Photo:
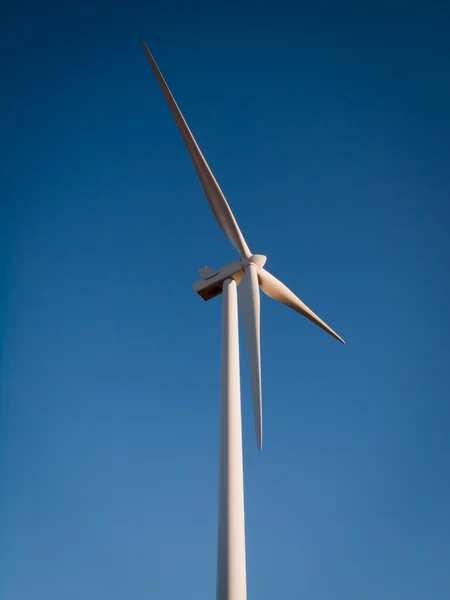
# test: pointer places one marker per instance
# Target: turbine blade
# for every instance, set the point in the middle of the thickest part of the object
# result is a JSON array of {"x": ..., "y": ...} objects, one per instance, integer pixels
[
  {"x": 249, "y": 302},
  {"x": 271, "y": 286},
  {"x": 214, "y": 194}
]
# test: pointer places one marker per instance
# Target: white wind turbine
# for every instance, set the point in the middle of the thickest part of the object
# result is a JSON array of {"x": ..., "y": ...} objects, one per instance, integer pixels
[{"x": 248, "y": 272}]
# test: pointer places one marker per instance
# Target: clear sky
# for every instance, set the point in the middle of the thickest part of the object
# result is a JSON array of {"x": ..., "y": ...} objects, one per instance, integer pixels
[{"x": 328, "y": 131}]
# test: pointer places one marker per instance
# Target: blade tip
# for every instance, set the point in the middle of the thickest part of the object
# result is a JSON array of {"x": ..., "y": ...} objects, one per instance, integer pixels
[{"x": 146, "y": 50}]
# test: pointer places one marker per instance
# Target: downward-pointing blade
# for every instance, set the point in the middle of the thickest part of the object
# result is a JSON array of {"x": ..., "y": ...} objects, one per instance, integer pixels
[
  {"x": 216, "y": 199},
  {"x": 249, "y": 302},
  {"x": 271, "y": 286}
]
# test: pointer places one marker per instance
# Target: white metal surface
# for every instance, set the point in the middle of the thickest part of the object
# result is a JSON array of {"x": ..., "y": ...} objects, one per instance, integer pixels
[
  {"x": 231, "y": 574},
  {"x": 249, "y": 303}
]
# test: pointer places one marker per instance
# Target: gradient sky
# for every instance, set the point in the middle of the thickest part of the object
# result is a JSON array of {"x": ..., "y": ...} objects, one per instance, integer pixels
[{"x": 328, "y": 131}]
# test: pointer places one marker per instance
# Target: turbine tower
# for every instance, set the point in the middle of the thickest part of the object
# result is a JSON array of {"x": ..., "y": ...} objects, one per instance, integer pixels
[{"x": 247, "y": 272}]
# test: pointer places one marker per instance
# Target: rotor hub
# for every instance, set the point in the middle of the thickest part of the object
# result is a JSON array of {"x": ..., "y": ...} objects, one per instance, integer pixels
[{"x": 256, "y": 259}]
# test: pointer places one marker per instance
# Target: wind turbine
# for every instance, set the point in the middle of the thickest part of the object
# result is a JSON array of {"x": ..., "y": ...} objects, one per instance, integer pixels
[{"x": 248, "y": 272}]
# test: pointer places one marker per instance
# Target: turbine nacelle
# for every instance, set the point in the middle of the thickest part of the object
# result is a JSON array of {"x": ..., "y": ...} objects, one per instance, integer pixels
[{"x": 211, "y": 283}]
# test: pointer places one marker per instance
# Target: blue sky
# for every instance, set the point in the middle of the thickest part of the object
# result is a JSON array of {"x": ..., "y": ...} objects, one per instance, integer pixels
[{"x": 328, "y": 131}]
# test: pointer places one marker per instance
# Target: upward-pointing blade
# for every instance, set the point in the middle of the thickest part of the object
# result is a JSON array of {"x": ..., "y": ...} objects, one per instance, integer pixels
[
  {"x": 249, "y": 302},
  {"x": 216, "y": 199},
  {"x": 271, "y": 286}
]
